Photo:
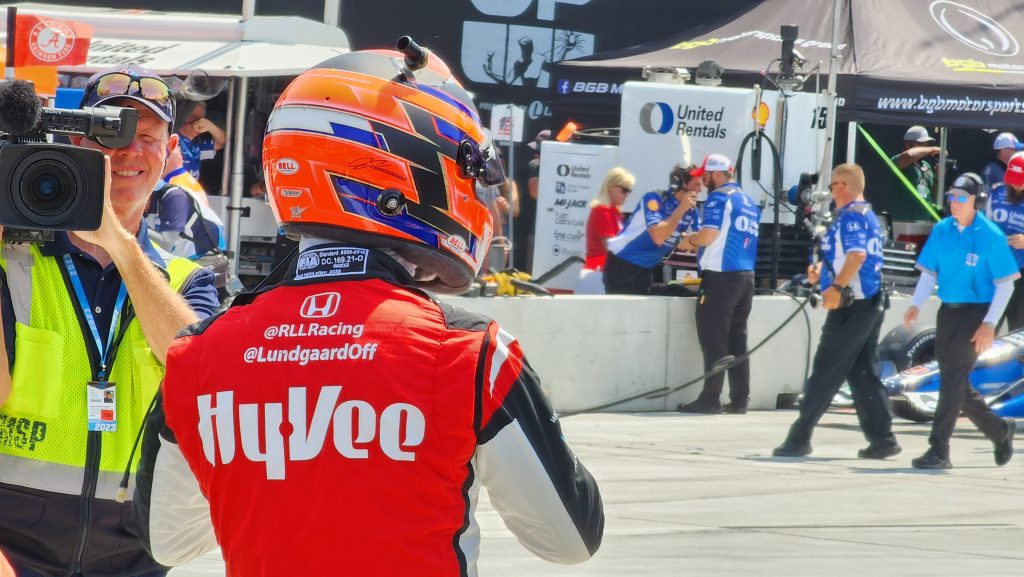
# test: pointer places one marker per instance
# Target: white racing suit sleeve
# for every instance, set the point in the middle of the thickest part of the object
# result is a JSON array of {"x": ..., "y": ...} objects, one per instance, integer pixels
[
  {"x": 171, "y": 511},
  {"x": 544, "y": 494}
]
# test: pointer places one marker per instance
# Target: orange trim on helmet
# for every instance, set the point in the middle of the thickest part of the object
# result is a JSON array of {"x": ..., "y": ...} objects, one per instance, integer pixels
[{"x": 376, "y": 98}]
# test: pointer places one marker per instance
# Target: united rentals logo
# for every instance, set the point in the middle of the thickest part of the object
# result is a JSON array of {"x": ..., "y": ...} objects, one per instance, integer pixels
[
  {"x": 974, "y": 28},
  {"x": 656, "y": 118},
  {"x": 51, "y": 41},
  {"x": 320, "y": 305}
]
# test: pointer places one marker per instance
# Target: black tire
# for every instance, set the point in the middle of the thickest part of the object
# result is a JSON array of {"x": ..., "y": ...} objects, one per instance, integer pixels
[
  {"x": 906, "y": 348},
  {"x": 904, "y": 410}
]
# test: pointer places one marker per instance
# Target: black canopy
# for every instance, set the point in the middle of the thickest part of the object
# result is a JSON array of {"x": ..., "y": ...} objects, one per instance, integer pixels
[{"x": 903, "y": 61}]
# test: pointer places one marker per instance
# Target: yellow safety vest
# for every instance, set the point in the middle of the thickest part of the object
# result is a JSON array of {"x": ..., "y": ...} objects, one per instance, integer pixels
[{"x": 43, "y": 425}]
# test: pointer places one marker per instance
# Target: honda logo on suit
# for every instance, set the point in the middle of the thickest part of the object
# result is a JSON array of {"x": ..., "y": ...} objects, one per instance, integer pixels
[{"x": 321, "y": 305}]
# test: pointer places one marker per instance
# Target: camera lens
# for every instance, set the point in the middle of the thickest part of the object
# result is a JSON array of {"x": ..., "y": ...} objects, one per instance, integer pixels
[{"x": 48, "y": 188}]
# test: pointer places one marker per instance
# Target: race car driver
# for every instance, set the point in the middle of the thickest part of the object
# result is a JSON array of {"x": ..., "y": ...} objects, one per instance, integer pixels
[{"x": 347, "y": 408}]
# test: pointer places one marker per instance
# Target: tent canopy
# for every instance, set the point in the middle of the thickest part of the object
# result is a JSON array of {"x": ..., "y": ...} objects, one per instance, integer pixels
[
  {"x": 902, "y": 62},
  {"x": 177, "y": 43}
]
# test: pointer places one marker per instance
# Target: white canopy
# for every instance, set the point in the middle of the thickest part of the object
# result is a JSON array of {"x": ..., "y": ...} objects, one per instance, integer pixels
[{"x": 178, "y": 43}]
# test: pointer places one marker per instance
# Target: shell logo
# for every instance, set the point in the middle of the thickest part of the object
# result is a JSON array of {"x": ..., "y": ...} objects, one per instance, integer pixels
[{"x": 761, "y": 113}]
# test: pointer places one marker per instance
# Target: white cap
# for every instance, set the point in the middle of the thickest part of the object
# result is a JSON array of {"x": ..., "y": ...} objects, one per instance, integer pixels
[
  {"x": 713, "y": 163},
  {"x": 918, "y": 134},
  {"x": 1006, "y": 140}
]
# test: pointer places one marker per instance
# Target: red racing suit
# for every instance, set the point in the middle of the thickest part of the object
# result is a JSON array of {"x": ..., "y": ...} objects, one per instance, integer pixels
[{"x": 344, "y": 424}]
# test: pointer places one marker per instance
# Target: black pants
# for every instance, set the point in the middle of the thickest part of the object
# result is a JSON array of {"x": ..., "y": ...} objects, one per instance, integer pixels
[
  {"x": 1014, "y": 314},
  {"x": 955, "y": 353},
  {"x": 622, "y": 277},
  {"x": 848, "y": 350},
  {"x": 723, "y": 308}
]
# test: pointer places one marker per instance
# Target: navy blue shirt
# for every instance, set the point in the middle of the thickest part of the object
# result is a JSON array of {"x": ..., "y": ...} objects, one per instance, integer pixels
[
  {"x": 968, "y": 263},
  {"x": 102, "y": 284},
  {"x": 856, "y": 230}
]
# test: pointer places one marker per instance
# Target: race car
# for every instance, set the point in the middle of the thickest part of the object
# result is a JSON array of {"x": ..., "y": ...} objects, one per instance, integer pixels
[{"x": 913, "y": 376}]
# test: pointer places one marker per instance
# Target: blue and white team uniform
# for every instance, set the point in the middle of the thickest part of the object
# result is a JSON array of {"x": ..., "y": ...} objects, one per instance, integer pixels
[
  {"x": 195, "y": 151},
  {"x": 634, "y": 243},
  {"x": 731, "y": 212},
  {"x": 1009, "y": 217},
  {"x": 855, "y": 230}
]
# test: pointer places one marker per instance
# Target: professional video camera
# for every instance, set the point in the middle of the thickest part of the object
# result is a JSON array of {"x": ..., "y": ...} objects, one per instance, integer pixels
[
  {"x": 809, "y": 200},
  {"x": 46, "y": 187}
]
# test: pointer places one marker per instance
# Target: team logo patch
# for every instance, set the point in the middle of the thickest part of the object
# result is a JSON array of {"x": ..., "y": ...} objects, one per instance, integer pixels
[
  {"x": 653, "y": 204},
  {"x": 971, "y": 260},
  {"x": 51, "y": 41}
]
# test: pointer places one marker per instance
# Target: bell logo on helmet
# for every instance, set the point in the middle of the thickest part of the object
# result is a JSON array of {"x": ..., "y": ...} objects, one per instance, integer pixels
[
  {"x": 320, "y": 305},
  {"x": 457, "y": 243},
  {"x": 287, "y": 166}
]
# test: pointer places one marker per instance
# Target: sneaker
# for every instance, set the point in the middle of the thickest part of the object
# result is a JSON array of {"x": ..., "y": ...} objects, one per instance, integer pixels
[
  {"x": 791, "y": 449},
  {"x": 880, "y": 450},
  {"x": 699, "y": 407},
  {"x": 734, "y": 409},
  {"x": 1004, "y": 448},
  {"x": 931, "y": 460}
]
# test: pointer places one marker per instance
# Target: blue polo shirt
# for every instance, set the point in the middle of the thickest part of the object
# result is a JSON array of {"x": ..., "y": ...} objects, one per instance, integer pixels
[
  {"x": 968, "y": 263},
  {"x": 1009, "y": 217},
  {"x": 634, "y": 243},
  {"x": 855, "y": 230},
  {"x": 101, "y": 285},
  {"x": 737, "y": 219}
]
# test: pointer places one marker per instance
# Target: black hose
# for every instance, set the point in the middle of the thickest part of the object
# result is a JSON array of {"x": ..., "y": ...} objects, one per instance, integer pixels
[
  {"x": 745, "y": 355},
  {"x": 776, "y": 189},
  {"x": 659, "y": 392}
]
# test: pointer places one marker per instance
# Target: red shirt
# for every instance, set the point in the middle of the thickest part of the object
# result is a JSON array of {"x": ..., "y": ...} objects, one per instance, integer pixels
[{"x": 605, "y": 221}]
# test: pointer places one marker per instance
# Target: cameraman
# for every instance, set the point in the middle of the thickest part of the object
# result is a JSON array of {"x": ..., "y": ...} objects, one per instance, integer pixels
[
  {"x": 848, "y": 349},
  {"x": 88, "y": 315},
  {"x": 650, "y": 233}
]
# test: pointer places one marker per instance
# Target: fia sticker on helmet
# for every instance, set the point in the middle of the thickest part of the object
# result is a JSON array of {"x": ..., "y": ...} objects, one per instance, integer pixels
[
  {"x": 290, "y": 192},
  {"x": 287, "y": 166},
  {"x": 457, "y": 243}
]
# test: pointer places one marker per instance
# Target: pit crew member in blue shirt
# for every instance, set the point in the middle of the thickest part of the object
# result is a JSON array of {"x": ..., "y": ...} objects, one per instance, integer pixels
[
  {"x": 848, "y": 349},
  {"x": 1006, "y": 209},
  {"x": 650, "y": 233},
  {"x": 727, "y": 249},
  {"x": 969, "y": 258}
]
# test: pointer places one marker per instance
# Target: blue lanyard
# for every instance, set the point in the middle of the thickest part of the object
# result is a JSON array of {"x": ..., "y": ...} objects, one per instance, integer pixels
[{"x": 104, "y": 349}]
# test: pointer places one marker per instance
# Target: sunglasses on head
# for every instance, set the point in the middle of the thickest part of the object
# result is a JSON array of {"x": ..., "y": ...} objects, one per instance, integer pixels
[{"x": 124, "y": 84}]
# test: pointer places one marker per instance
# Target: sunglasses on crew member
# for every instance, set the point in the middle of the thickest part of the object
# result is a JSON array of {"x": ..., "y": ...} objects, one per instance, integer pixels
[
  {"x": 624, "y": 189},
  {"x": 958, "y": 198},
  {"x": 124, "y": 84}
]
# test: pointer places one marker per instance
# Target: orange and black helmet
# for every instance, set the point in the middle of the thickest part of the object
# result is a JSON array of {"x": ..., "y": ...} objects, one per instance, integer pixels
[{"x": 381, "y": 149}]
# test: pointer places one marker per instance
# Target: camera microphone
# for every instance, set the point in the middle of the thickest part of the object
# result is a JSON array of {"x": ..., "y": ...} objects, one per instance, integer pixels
[{"x": 20, "y": 110}]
